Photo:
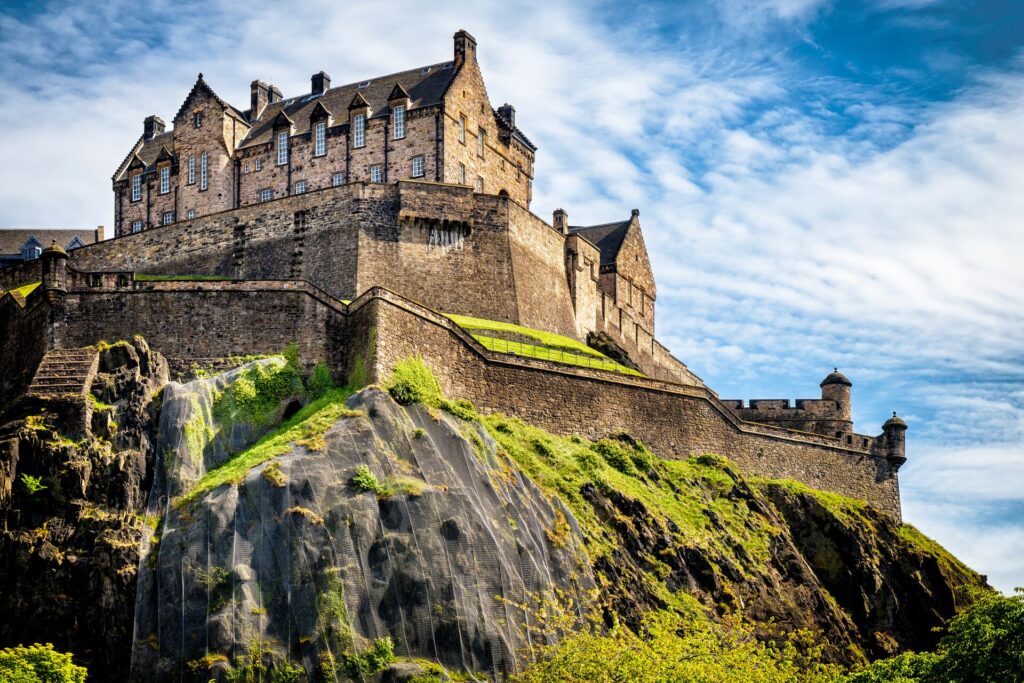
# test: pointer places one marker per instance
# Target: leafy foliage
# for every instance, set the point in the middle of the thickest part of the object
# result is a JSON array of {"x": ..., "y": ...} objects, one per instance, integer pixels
[
  {"x": 260, "y": 666},
  {"x": 33, "y": 485},
  {"x": 256, "y": 396},
  {"x": 320, "y": 381},
  {"x": 673, "y": 648},
  {"x": 412, "y": 381},
  {"x": 39, "y": 664},
  {"x": 366, "y": 481},
  {"x": 985, "y": 642}
]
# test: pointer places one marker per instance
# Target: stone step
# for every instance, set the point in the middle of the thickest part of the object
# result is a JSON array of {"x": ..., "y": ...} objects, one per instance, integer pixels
[{"x": 65, "y": 371}]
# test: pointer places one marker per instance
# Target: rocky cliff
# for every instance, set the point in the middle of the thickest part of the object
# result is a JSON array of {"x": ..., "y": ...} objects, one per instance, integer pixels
[{"x": 262, "y": 522}]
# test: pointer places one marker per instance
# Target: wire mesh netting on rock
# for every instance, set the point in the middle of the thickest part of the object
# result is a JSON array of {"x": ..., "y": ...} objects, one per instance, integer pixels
[{"x": 400, "y": 522}]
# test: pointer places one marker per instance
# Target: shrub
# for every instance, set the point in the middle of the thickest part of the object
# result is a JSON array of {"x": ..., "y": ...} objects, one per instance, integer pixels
[
  {"x": 320, "y": 381},
  {"x": 33, "y": 485},
  {"x": 412, "y": 381},
  {"x": 366, "y": 481},
  {"x": 374, "y": 659},
  {"x": 39, "y": 664}
]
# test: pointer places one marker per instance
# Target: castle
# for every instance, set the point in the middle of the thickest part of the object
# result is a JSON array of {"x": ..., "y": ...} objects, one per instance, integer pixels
[{"x": 359, "y": 222}]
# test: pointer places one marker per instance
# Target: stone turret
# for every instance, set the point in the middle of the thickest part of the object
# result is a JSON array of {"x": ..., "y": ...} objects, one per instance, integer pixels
[
  {"x": 836, "y": 387},
  {"x": 54, "y": 260},
  {"x": 894, "y": 431}
]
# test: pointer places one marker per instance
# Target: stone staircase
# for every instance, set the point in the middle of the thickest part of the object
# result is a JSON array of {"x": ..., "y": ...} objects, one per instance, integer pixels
[{"x": 65, "y": 372}]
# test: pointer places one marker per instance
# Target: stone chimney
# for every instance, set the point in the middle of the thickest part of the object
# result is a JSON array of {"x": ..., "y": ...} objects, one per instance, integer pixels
[
  {"x": 99, "y": 233},
  {"x": 152, "y": 126},
  {"x": 262, "y": 94},
  {"x": 508, "y": 112},
  {"x": 560, "y": 221},
  {"x": 321, "y": 83},
  {"x": 465, "y": 47}
]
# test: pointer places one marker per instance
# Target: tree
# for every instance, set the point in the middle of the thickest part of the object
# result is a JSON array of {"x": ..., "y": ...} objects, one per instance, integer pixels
[{"x": 38, "y": 664}]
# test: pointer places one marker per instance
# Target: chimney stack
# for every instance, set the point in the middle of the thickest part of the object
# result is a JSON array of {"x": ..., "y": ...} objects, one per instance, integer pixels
[
  {"x": 560, "y": 221},
  {"x": 465, "y": 47},
  {"x": 152, "y": 126},
  {"x": 321, "y": 83},
  {"x": 261, "y": 94},
  {"x": 508, "y": 112}
]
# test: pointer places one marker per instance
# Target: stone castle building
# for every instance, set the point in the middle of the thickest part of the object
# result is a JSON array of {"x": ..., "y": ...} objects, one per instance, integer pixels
[{"x": 355, "y": 221}]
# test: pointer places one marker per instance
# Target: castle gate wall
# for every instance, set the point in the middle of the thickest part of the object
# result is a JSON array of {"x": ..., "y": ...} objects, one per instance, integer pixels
[{"x": 675, "y": 422}]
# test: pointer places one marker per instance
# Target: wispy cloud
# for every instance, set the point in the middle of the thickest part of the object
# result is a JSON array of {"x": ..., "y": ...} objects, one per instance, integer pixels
[{"x": 807, "y": 203}]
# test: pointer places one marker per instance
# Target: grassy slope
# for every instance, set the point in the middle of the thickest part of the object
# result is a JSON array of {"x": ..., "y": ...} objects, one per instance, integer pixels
[{"x": 549, "y": 346}]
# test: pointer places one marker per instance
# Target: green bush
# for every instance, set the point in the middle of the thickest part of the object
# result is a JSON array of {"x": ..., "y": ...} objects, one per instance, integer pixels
[
  {"x": 38, "y": 664},
  {"x": 412, "y": 381},
  {"x": 366, "y": 481},
  {"x": 985, "y": 642},
  {"x": 320, "y": 381},
  {"x": 374, "y": 659},
  {"x": 33, "y": 485}
]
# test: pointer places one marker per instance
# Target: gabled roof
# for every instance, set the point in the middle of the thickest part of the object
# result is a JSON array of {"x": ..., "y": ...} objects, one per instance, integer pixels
[
  {"x": 201, "y": 86},
  {"x": 148, "y": 153},
  {"x": 425, "y": 86},
  {"x": 11, "y": 241},
  {"x": 608, "y": 237},
  {"x": 398, "y": 93},
  {"x": 319, "y": 112}
]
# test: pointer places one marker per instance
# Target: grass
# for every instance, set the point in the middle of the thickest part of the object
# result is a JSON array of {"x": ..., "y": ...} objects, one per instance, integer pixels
[
  {"x": 141, "y": 277},
  {"x": 309, "y": 422},
  {"x": 549, "y": 346},
  {"x": 851, "y": 511},
  {"x": 911, "y": 536},
  {"x": 25, "y": 290}
]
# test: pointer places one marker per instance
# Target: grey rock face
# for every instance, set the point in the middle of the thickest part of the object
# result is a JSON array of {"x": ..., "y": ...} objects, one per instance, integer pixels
[{"x": 307, "y": 565}]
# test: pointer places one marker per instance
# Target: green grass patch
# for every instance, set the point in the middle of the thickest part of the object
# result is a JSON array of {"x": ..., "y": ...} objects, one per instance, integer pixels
[
  {"x": 257, "y": 393},
  {"x": 311, "y": 421},
  {"x": 549, "y": 346},
  {"x": 25, "y": 290},
  {"x": 914, "y": 539},
  {"x": 853, "y": 512},
  {"x": 142, "y": 277}
]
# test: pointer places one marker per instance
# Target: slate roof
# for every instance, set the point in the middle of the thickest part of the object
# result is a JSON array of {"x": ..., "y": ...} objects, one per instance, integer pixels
[
  {"x": 426, "y": 86},
  {"x": 147, "y": 151},
  {"x": 12, "y": 240},
  {"x": 607, "y": 237}
]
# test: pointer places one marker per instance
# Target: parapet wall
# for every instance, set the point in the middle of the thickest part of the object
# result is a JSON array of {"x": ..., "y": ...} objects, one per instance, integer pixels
[{"x": 675, "y": 421}]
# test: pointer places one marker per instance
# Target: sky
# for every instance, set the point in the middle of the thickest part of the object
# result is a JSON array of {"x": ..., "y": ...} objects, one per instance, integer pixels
[{"x": 820, "y": 183}]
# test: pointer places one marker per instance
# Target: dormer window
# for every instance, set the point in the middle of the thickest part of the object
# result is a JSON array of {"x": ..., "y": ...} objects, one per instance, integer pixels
[
  {"x": 320, "y": 138},
  {"x": 359, "y": 130},
  {"x": 165, "y": 180},
  {"x": 197, "y": 119},
  {"x": 192, "y": 169},
  {"x": 398, "y": 116},
  {"x": 136, "y": 187},
  {"x": 282, "y": 148},
  {"x": 204, "y": 171}
]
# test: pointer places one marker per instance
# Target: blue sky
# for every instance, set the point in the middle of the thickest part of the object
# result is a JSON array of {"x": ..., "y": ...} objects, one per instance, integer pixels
[{"x": 820, "y": 183}]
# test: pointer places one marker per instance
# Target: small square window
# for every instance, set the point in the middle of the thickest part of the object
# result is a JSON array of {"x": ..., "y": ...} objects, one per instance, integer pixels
[
  {"x": 338, "y": 179},
  {"x": 376, "y": 174},
  {"x": 136, "y": 226},
  {"x": 417, "y": 167},
  {"x": 300, "y": 187},
  {"x": 168, "y": 217},
  {"x": 191, "y": 214},
  {"x": 266, "y": 195}
]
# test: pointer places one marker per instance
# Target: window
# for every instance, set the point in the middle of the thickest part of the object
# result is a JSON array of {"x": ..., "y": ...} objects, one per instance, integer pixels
[
  {"x": 197, "y": 119},
  {"x": 136, "y": 187},
  {"x": 266, "y": 195},
  {"x": 479, "y": 183},
  {"x": 165, "y": 180},
  {"x": 359, "y": 130},
  {"x": 417, "y": 167},
  {"x": 204, "y": 171},
  {"x": 282, "y": 148},
  {"x": 245, "y": 167},
  {"x": 168, "y": 217},
  {"x": 338, "y": 179},
  {"x": 320, "y": 139},
  {"x": 462, "y": 174},
  {"x": 480, "y": 143},
  {"x": 462, "y": 129},
  {"x": 300, "y": 187},
  {"x": 192, "y": 169},
  {"x": 136, "y": 226},
  {"x": 399, "y": 121},
  {"x": 376, "y": 174},
  {"x": 259, "y": 164},
  {"x": 191, "y": 214}
]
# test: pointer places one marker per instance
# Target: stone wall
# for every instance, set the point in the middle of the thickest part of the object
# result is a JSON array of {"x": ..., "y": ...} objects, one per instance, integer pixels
[
  {"x": 23, "y": 342},
  {"x": 674, "y": 421}
]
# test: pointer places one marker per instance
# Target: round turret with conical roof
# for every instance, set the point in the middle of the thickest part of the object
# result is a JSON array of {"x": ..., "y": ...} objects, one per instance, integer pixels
[
  {"x": 54, "y": 261},
  {"x": 894, "y": 431}
]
